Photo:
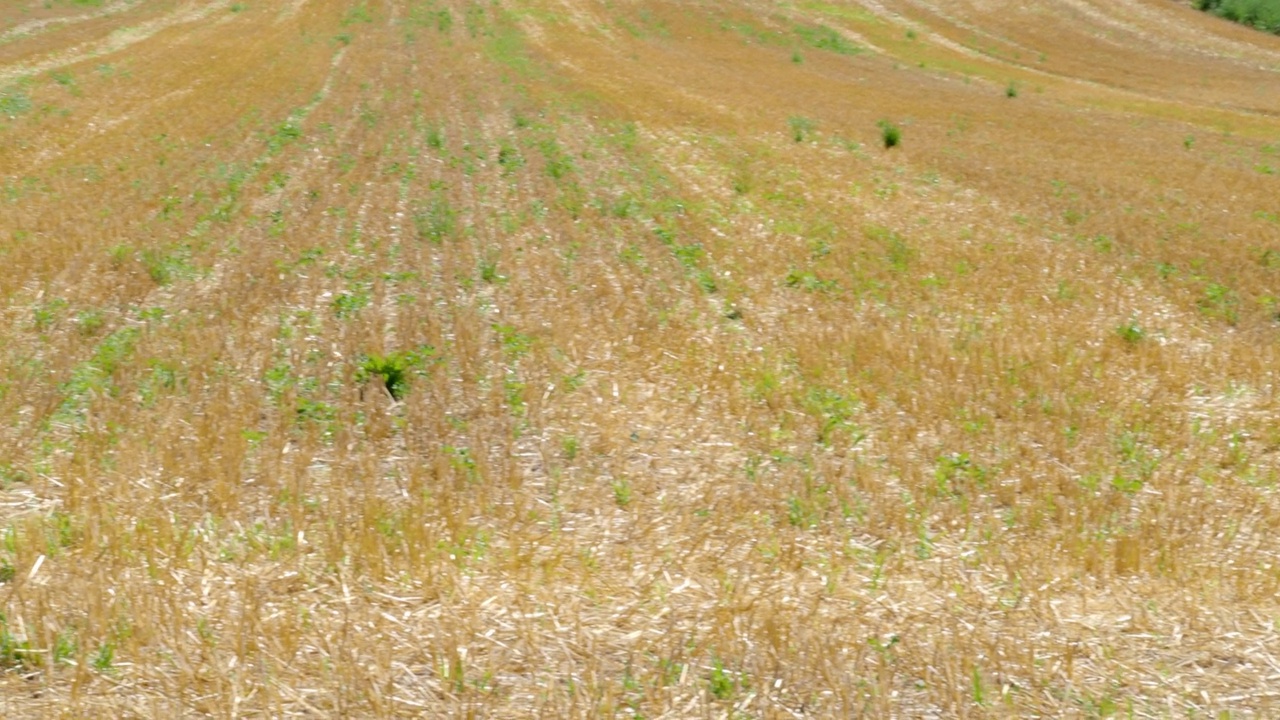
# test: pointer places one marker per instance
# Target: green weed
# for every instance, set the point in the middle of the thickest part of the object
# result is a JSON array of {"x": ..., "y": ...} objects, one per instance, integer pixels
[
  {"x": 890, "y": 134},
  {"x": 621, "y": 492},
  {"x": 723, "y": 684},
  {"x": 394, "y": 370},
  {"x": 1221, "y": 302},
  {"x": 1131, "y": 332}
]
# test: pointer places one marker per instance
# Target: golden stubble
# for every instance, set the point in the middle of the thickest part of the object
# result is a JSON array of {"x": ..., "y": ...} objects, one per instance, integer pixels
[{"x": 712, "y": 404}]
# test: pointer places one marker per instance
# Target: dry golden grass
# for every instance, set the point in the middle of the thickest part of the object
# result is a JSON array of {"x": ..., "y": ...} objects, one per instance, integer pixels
[{"x": 711, "y": 405}]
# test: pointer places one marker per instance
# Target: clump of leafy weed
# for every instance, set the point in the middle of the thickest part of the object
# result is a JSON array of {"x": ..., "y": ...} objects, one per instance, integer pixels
[
  {"x": 103, "y": 658},
  {"x": 889, "y": 133},
  {"x": 509, "y": 157},
  {"x": 621, "y": 492},
  {"x": 435, "y": 137},
  {"x": 706, "y": 281},
  {"x": 722, "y": 683},
  {"x": 394, "y": 370}
]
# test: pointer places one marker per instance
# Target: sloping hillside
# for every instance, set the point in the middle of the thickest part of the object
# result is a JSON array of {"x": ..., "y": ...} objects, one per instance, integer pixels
[{"x": 563, "y": 358}]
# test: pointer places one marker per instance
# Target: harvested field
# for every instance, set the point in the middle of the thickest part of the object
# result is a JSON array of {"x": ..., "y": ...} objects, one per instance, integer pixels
[{"x": 570, "y": 358}]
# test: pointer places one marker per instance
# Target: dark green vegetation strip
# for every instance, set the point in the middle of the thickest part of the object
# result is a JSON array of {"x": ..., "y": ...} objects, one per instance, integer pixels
[{"x": 1261, "y": 14}]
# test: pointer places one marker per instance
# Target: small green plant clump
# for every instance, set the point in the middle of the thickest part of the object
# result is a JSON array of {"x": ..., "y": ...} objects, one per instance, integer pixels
[
  {"x": 801, "y": 128},
  {"x": 1011, "y": 90},
  {"x": 394, "y": 370},
  {"x": 1220, "y": 301},
  {"x": 1131, "y": 332},
  {"x": 722, "y": 683},
  {"x": 891, "y": 134}
]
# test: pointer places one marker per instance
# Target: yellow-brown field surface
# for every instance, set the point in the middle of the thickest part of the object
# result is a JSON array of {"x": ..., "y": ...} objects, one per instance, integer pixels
[{"x": 638, "y": 359}]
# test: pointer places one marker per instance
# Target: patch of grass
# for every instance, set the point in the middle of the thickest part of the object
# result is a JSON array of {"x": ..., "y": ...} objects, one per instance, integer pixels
[
  {"x": 436, "y": 220},
  {"x": 821, "y": 37},
  {"x": 94, "y": 375},
  {"x": 835, "y": 412},
  {"x": 347, "y": 304},
  {"x": 556, "y": 162},
  {"x": 358, "y": 13},
  {"x": 801, "y": 128},
  {"x": 167, "y": 265},
  {"x": 14, "y": 101},
  {"x": 809, "y": 280},
  {"x": 283, "y": 135},
  {"x": 14, "y": 653},
  {"x": 898, "y": 253},
  {"x": 507, "y": 47},
  {"x": 47, "y": 313},
  {"x": 89, "y": 322}
]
